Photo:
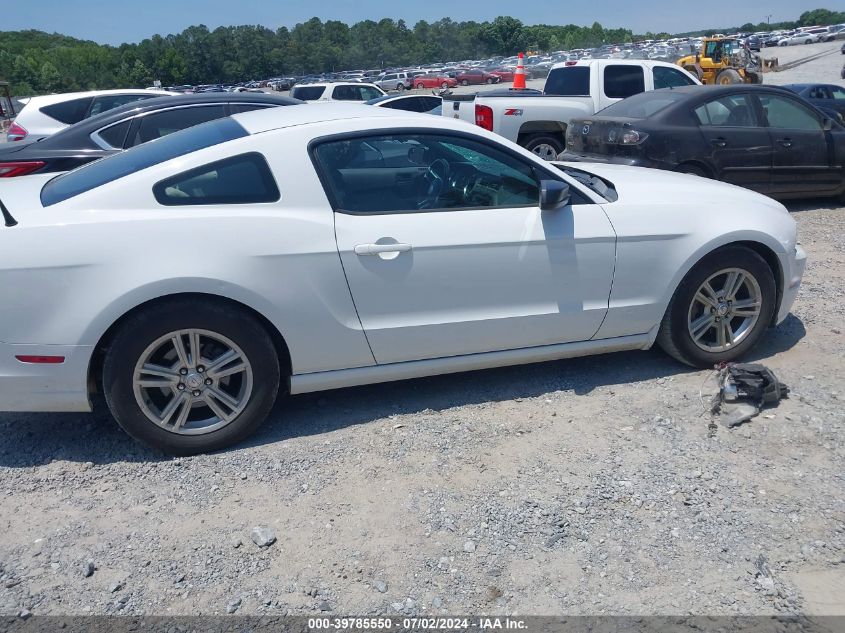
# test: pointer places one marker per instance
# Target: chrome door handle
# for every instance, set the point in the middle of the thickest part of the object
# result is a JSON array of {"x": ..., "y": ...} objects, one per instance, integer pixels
[
  {"x": 380, "y": 249},
  {"x": 719, "y": 142},
  {"x": 786, "y": 142}
]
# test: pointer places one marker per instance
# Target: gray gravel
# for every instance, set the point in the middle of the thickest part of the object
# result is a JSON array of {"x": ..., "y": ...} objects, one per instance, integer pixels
[{"x": 591, "y": 486}]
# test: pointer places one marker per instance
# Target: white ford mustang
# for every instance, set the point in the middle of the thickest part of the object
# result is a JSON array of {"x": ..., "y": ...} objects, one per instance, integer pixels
[{"x": 193, "y": 278}]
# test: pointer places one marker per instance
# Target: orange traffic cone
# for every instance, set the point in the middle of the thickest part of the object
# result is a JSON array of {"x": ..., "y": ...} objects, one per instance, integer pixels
[{"x": 519, "y": 75}]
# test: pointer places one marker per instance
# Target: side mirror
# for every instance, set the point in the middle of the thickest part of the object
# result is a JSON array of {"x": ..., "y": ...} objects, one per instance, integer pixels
[
  {"x": 827, "y": 124},
  {"x": 553, "y": 195}
]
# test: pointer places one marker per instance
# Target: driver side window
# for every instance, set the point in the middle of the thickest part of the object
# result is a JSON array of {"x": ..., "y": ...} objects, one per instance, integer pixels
[{"x": 409, "y": 173}]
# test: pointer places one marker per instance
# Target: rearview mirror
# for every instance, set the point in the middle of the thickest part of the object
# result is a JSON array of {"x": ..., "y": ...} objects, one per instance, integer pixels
[{"x": 553, "y": 195}]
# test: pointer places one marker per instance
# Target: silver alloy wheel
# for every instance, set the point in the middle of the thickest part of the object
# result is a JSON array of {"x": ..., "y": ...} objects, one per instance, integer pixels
[
  {"x": 192, "y": 382},
  {"x": 545, "y": 151},
  {"x": 724, "y": 310}
]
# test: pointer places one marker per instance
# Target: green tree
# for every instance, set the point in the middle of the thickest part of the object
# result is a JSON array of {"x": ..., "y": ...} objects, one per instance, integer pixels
[{"x": 49, "y": 78}]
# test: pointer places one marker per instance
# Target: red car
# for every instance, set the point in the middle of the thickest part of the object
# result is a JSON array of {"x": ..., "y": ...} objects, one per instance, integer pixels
[
  {"x": 467, "y": 77},
  {"x": 434, "y": 81},
  {"x": 506, "y": 74}
]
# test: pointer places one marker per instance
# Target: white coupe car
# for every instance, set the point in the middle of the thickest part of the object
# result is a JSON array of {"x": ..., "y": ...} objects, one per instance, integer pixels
[{"x": 194, "y": 278}]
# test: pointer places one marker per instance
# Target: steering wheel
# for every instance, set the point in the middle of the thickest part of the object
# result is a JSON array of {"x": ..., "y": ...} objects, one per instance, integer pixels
[{"x": 436, "y": 177}]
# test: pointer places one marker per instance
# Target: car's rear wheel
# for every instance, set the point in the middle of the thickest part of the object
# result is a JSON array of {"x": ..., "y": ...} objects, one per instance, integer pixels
[
  {"x": 464, "y": 82},
  {"x": 721, "y": 308},
  {"x": 191, "y": 376},
  {"x": 420, "y": 86},
  {"x": 546, "y": 146},
  {"x": 444, "y": 85},
  {"x": 490, "y": 80}
]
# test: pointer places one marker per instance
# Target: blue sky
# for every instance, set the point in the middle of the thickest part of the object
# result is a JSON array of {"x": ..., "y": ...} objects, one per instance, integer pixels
[{"x": 125, "y": 21}]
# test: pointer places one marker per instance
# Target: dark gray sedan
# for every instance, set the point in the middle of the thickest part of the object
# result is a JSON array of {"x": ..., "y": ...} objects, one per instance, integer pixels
[{"x": 125, "y": 127}]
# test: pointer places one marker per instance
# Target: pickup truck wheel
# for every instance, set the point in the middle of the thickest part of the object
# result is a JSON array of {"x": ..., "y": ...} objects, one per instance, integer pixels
[
  {"x": 544, "y": 145},
  {"x": 464, "y": 82}
]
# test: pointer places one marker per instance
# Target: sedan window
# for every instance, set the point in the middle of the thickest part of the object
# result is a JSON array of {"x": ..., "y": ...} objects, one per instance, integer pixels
[
  {"x": 730, "y": 111},
  {"x": 243, "y": 179},
  {"x": 786, "y": 114},
  {"x": 115, "y": 135},
  {"x": 837, "y": 93},
  {"x": 166, "y": 122},
  {"x": 109, "y": 102},
  {"x": 407, "y": 173}
]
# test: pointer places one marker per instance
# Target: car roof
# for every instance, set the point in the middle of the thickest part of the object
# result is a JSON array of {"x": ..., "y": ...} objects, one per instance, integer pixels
[
  {"x": 67, "y": 96},
  {"x": 84, "y": 128},
  {"x": 259, "y": 121}
]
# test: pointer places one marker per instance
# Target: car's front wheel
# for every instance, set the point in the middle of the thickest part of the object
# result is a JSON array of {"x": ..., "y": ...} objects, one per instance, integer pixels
[
  {"x": 721, "y": 308},
  {"x": 464, "y": 82},
  {"x": 190, "y": 376}
]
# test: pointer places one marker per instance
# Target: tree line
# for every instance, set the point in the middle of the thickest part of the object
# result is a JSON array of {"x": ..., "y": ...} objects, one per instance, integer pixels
[{"x": 35, "y": 62}]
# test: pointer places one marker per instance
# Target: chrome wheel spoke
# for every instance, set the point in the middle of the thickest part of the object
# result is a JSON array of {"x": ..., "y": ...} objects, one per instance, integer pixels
[
  {"x": 733, "y": 283},
  {"x": 230, "y": 369},
  {"x": 746, "y": 307},
  {"x": 223, "y": 397},
  {"x": 179, "y": 346},
  {"x": 221, "y": 361},
  {"x": 729, "y": 333},
  {"x": 158, "y": 376},
  {"x": 215, "y": 407},
  {"x": 701, "y": 325},
  {"x": 194, "y": 341},
  {"x": 171, "y": 407},
  {"x": 183, "y": 412},
  {"x": 702, "y": 298}
]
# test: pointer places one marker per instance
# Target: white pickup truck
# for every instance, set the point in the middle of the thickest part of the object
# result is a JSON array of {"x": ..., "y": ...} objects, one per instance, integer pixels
[{"x": 538, "y": 120}]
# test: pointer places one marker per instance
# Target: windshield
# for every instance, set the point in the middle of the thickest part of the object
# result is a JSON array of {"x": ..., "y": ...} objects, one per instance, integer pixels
[
  {"x": 573, "y": 81},
  {"x": 600, "y": 186},
  {"x": 643, "y": 105},
  {"x": 140, "y": 157}
]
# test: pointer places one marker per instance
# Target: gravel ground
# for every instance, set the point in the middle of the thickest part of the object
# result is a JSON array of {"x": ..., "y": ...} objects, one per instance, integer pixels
[{"x": 588, "y": 486}]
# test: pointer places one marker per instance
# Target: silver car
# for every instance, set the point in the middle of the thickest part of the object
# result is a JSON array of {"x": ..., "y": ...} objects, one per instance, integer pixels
[{"x": 394, "y": 81}]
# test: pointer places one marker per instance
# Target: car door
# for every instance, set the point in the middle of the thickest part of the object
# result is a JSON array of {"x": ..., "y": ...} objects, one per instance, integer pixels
[
  {"x": 739, "y": 149},
  {"x": 446, "y": 251},
  {"x": 803, "y": 161}
]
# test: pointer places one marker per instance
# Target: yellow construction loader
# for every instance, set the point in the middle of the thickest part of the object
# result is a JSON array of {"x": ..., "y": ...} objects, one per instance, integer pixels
[{"x": 723, "y": 61}]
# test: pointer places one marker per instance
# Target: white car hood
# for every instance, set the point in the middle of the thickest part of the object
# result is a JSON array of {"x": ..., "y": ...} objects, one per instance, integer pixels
[{"x": 642, "y": 184}]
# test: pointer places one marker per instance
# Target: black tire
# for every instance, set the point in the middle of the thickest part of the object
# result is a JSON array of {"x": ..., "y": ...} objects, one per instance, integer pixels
[
  {"x": 674, "y": 337},
  {"x": 420, "y": 86},
  {"x": 400, "y": 87},
  {"x": 464, "y": 82},
  {"x": 445, "y": 85},
  {"x": 533, "y": 143},
  {"x": 727, "y": 77},
  {"x": 140, "y": 330},
  {"x": 694, "y": 170},
  {"x": 490, "y": 80}
]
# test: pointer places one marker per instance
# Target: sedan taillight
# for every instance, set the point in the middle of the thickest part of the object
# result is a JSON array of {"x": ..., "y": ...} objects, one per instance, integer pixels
[
  {"x": 20, "y": 168},
  {"x": 16, "y": 133}
]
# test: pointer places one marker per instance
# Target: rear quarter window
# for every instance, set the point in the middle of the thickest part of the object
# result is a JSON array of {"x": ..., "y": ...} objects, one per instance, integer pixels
[
  {"x": 242, "y": 179},
  {"x": 68, "y": 112}
]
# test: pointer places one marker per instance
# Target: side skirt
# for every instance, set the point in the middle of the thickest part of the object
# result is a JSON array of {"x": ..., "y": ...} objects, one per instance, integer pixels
[{"x": 337, "y": 379}]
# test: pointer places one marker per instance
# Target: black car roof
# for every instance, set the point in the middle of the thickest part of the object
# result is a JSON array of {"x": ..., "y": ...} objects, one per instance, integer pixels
[{"x": 84, "y": 128}]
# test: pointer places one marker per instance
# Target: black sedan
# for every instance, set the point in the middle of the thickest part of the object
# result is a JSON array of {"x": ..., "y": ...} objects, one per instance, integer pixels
[
  {"x": 829, "y": 98},
  {"x": 125, "y": 127},
  {"x": 761, "y": 137}
]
